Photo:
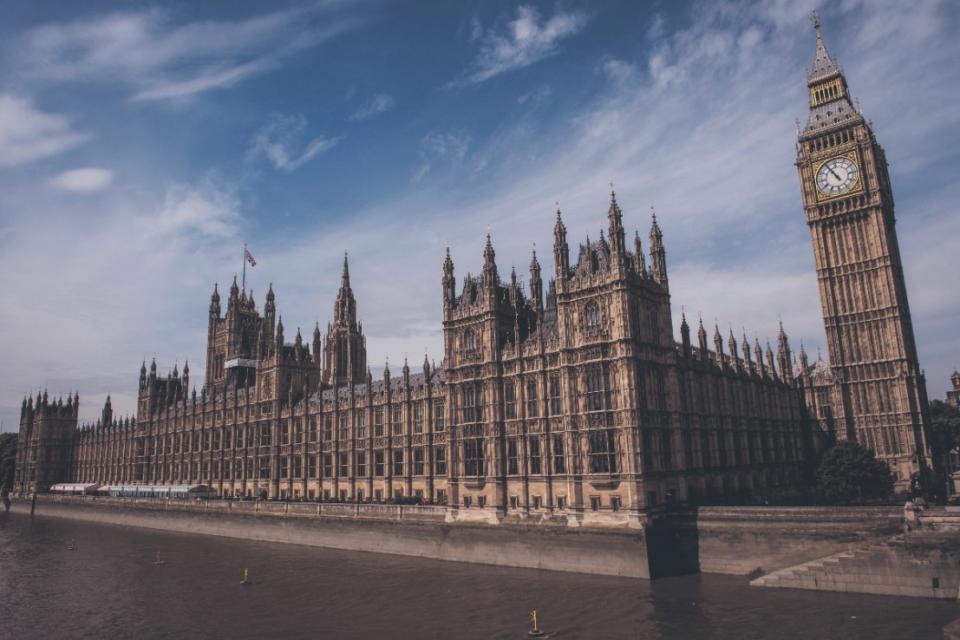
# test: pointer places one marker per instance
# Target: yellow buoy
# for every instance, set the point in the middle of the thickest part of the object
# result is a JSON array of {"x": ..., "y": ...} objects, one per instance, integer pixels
[
  {"x": 246, "y": 576},
  {"x": 536, "y": 632}
]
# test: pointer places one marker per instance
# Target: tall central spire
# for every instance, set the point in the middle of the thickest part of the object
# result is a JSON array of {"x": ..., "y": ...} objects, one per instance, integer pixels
[
  {"x": 823, "y": 64},
  {"x": 345, "y": 308}
]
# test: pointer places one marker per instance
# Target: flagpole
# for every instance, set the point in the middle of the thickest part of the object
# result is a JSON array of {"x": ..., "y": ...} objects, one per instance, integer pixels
[{"x": 244, "y": 288}]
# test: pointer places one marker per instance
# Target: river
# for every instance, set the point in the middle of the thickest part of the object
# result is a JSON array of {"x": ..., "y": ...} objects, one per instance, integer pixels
[{"x": 64, "y": 579}]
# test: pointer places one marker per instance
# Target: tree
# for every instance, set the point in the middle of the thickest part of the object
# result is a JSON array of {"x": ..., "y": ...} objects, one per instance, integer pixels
[
  {"x": 850, "y": 474},
  {"x": 8, "y": 458},
  {"x": 944, "y": 438}
]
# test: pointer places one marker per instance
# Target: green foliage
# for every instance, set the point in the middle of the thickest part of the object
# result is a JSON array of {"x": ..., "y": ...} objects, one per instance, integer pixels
[
  {"x": 944, "y": 427},
  {"x": 8, "y": 458},
  {"x": 851, "y": 474}
]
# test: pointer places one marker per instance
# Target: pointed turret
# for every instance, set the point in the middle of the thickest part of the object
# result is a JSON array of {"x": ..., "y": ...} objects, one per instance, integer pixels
[
  {"x": 732, "y": 346},
  {"x": 561, "y": 252},
  {"x": 784, "y": 358},
  {"x": 279, "y": 335},
  {"x": 234, "y": 290},
  {"x": 758, "y": 355},
  {"x": 658, "y": 255},
  {"x": 215, "y": 302},
  {"x": 536, "y": 283},
  {"x": 702, "y": 339},
  {"x": 684, "y": 334},
  {"x": 449, "y": 282},
  {"x": 345, "y": 308},
  {"x": 490, "y": 277},
  {"x": 618, "y": 244},
  {"x": 718, "y": 344},
  {"x": 746, "y": 352},
  {"x": 641, "y": 260},
  {"x": 270, "y": 306}
]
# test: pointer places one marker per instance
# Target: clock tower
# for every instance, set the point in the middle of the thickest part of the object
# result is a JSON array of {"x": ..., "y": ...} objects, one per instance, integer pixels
[{"x": 876, "y": 393}]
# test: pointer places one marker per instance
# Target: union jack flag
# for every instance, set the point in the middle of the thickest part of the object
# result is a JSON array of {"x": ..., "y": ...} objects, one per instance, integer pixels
[{"x": 249, "y": 257}]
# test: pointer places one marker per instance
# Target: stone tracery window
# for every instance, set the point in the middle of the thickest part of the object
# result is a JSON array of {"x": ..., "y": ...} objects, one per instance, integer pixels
[
  {"x": 591, "y": 317},
  {"x": 603, "y": 451},
  {"x": 596, "y": 387},
  {"x": 469, "y": 340}
]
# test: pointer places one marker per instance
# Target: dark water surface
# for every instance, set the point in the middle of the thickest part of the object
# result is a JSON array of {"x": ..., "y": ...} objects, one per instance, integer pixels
[{"x": 109, "y": 587}]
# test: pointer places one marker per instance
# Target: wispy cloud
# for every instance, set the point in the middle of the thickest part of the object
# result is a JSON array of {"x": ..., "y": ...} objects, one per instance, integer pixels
[
  {"x": 525, "y": 40},
  {"x": 616, "y": 70},
  {"x": 28, "y": 134},
  {"x": 163, "y": 60},
  {"x": 85, "y": 180},
  {"x": 441, "y": 147},
  {"x": 379, "y": 104},
  {"x": 207, "y": 209},
  {"x": 280, "y": 141}
]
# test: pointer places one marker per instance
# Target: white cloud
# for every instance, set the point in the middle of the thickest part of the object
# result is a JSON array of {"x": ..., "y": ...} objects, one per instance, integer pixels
[
  {"x": 441, "y": 147},
  {"x": 131, "y": 279},
  {"x": 207, "y": 208},
  {"x": 280, "y": 142},
  {"x": 616, "y": 70},
  {"x": 526, "y": 40},
  {"x": 163, "y": 60},
  {"x": 85, "y": 180},
  {"x": 379, "y": 104},
  {"x": 28, "y": 134},
  {"x": 535, "y": 96}
]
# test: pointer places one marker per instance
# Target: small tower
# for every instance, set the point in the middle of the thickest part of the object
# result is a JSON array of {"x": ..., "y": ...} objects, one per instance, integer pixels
[
  {"x": 449, "y": 282},
  {"x": 561, "y": 252},
  {"x": 658, "y": 255},
  {"x": 536, "y": 284}
]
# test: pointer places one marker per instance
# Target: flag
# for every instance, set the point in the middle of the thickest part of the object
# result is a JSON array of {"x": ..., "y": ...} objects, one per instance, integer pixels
[{"x": 249, "y": 257}]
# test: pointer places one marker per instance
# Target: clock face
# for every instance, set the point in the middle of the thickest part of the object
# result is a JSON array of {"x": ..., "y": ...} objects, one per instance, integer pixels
[{"x": 837, "y": 176}]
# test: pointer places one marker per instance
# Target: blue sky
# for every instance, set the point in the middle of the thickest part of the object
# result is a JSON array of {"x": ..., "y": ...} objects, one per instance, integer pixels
[{"x": 141, "y": 144}]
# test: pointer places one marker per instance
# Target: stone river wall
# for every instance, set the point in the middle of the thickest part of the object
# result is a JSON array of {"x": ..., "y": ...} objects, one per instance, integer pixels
[
  {"x": 402, "y": 530},
  {"x": 752, "y": 541}
]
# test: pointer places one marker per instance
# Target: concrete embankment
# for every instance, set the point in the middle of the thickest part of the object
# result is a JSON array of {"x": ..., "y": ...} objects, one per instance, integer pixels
[
  {"x": 846, "y": 549},
  {"x": 923, "y": 561},
  {"x": 410, "y": 531},
  {"x": 754, "y": 540}
]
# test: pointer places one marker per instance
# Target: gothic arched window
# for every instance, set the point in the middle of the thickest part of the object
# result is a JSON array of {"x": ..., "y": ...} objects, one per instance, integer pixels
[
  {"x": 591, "y": 317},
  {"x": 469, "y": 340},
  {"x": 596, "y": 387}
]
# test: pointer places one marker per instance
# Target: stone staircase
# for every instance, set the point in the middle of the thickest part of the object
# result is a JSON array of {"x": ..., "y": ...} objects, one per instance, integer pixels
[{"x": 886, "y": 568}]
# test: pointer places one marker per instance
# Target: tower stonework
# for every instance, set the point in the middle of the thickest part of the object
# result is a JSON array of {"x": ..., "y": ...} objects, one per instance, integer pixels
[{"x": 874, "y": 392}]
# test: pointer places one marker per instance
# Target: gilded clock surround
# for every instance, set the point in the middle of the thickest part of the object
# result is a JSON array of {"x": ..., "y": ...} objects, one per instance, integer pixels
[{"x": 857, "y": 186}]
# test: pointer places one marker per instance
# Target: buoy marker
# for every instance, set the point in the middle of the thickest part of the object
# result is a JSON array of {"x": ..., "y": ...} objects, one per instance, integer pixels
[
  {"x": 157, "y": 559},
  {"x": 536, "y": 632},
  {"x": 246, "y": 577}
]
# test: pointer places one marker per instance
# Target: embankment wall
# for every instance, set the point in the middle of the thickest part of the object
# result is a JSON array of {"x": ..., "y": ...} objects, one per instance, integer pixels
[
  {"x": 731, "y": 540},
  {"x": 754, "y": 540},
  {"x": 409, "y": 531}
]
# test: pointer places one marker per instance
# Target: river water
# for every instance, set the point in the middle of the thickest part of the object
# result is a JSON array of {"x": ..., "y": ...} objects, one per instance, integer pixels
[{"x": 62, "y": 579}]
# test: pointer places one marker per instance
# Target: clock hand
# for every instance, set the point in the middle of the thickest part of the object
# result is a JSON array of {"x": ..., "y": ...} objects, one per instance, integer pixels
[{"x": 834, "y": 173}]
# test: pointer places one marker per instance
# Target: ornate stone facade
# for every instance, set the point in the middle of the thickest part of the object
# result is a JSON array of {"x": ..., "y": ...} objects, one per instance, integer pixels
[
  {"x": 873, "y": 390},
  {"x": 569, "y": 398}
]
